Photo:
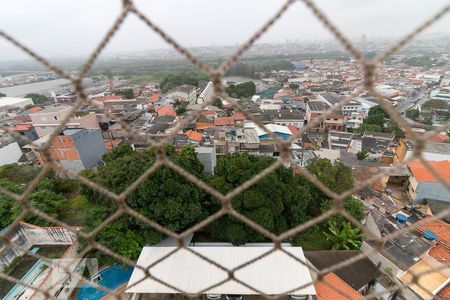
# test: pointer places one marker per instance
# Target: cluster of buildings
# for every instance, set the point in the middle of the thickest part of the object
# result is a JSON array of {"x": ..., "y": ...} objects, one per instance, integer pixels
[{"x": 293, "y": 99}]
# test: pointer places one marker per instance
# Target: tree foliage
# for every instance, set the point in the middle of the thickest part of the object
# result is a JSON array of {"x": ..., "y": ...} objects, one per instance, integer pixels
[
  {"x": 242, "y": 90},
  {"x": 277, "y": 202},
  {"x": 250, "y": 69},
  {"x": 362, "y": 154},
  {"x": 38, "y": 98},
  {"x": 412, "y": 114},
  {"x": 173, "y": 80},
  {"x": 164, "y": 197},
  {"x": 218, "y": 103},
  {"x": 127, "y": 94},
  {"x": 343, "y": 236},
  {"x": 117, "y": 152},
  {"x": 43, "y": 198},
  {"x": 336, "y": 177},
  {"x": 378, "y": 120}
]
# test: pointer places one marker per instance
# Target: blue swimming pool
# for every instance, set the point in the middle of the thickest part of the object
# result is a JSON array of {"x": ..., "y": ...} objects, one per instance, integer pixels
[{"x": 110, "y": 277}]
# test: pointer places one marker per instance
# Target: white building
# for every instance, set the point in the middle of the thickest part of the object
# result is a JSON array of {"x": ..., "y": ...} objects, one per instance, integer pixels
[
  {"x": 273, "y": 274},
  {"x": 10, "y": 153},
  {"x": 12, "y": 102},
  {"x": 206, "y": 94}
]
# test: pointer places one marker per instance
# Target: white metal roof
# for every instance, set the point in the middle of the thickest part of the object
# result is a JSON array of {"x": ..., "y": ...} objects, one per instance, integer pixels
[
  {"x": 274, "y": 274},
  {"x": 13, "y": 101}
]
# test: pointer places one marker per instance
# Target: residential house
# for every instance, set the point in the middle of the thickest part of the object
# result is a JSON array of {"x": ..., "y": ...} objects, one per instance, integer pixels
[
  {"x": 289, "y": 117},
  {"x": 69, "y": 98},
  {"x": 330, "y": 98},
  {"x": 315, "y": 109},
  {"x": 424, "y": 186},
  {"x": 24, "y": 116},
  {"x": 359, "y": 275},
  {"x": 47, "y": 120},
  {"x": 331, "y": 287},
  {"x": 27, "y": 131},
  {"x": 75, "y": 149},
  {"x": 336, "y": 122},
  {"x": 432, "y": 151},
  {"x": 165, "y": 110}
]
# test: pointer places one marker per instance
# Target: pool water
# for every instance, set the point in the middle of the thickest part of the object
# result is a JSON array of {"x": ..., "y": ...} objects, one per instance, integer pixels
[{"x": 110, "y": 277}]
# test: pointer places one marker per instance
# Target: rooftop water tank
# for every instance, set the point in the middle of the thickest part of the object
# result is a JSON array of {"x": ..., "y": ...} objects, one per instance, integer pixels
[
  {"x": 401, "y": 218},
  {"x": 429, "y": 235}
]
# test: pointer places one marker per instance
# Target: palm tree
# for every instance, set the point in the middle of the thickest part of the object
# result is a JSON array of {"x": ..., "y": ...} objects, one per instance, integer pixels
[{"x": 343, "y": 236}]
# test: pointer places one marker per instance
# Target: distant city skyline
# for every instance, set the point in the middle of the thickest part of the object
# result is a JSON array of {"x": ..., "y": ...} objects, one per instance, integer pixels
[{"x": 73, "y": 28}]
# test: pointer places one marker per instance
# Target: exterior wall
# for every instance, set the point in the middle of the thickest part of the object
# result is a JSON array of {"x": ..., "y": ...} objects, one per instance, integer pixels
[
  {"x": 429, "y": 156},
  {"x": 10, "y": 154},
  {"x": 88, "y": 121},
  {"x": 295, "y": 123},
  {"x": 45, "y": 123},
  {"x": 209, "y": 161},
  {"x": 30, "y": 134},
  {"x": 412, "y": 188},
  {"x": 400, "y": 153},
  {"x": 90, "y": 146},
  {"x": 26, "y": 235}
]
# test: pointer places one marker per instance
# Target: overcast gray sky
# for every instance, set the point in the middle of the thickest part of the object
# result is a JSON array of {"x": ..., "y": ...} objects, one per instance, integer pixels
[{"x": 73, "y": 27}]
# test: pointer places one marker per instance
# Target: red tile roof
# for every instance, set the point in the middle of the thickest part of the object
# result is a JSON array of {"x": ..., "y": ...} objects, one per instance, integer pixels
[
  {"x": 440, "y": 228},
  {"x": 293, "y": 129},
  {"x": 225, "y": 121},
  {"x": 439, "y": 138},
  {"x": 195, "y": 136},
  {"x": 297, "y": 99},
  {"x": 203, "y": 125},
  {"x": 445, "y": 292},
  {"x": 421, "y": 173},
  {"x": 166, "y": 110},
  {"x": 208, "y": 112},
  {"x": 109, "y": 144},
  {"x": 238, "y": 116},
  {"x": 36, "y": 109},
  {"x": 21, "y": 127},
  {"x": 325, "y": 292},
  {"x": 154, "y": 98},
  {"x": 440, "y": 253}
]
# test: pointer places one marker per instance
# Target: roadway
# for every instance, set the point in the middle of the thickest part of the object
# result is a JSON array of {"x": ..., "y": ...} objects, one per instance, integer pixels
[{"x": 411, "y": 101}]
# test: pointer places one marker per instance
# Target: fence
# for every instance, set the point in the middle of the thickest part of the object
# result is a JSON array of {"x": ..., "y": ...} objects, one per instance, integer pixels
[{"x": 215, "y": 75}]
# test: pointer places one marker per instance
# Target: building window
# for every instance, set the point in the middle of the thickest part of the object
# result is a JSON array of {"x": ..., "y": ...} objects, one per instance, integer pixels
[{"x": 55, "y": 117}]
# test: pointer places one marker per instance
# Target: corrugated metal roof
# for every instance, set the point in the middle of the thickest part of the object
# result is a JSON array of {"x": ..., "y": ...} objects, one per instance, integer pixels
[{"x": 274, "y": 274}]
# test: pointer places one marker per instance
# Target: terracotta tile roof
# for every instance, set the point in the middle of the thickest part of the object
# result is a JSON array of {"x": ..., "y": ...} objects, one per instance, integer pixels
[
  {"x": 208, "y": 112},
  {"x": 440, "y": 253},
  {"x": 445, "y": 292},
  {"x": 195, "y": 136},
  {"x": 203, "y": 125},
  {"x": 421, "y": 173},
  {"x": 439, "y": 138},
  {"x": 293, "y": 129},
  {"x": 297, "y": 99},
  {"x": 238, "y": 116},
  {"x": 165, "y": 110},
  {"x": 440, "y": 228},
  {"x": 154, "y": 98},
  {"x": 36, "y": 109},
  {"x": 325, "y": 292},
  {"x": 225, "y": 121},
  {"x": 109, "y": 144},
  {"x": 21, "y": 127}
]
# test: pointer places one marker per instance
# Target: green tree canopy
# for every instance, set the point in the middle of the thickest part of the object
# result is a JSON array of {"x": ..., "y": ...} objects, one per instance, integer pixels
[
  {"x": 337, "y": 177},
  {"x": 38, "y": 98},
  {"x": 173, "y": 80},
  {"x": 412, "y": 114},
  {"x": 164, "y": 197},
  {"x": 343, "y": 236},
  {"x": 278, "y": 201},
  {"x": 242, "y": 90}
]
